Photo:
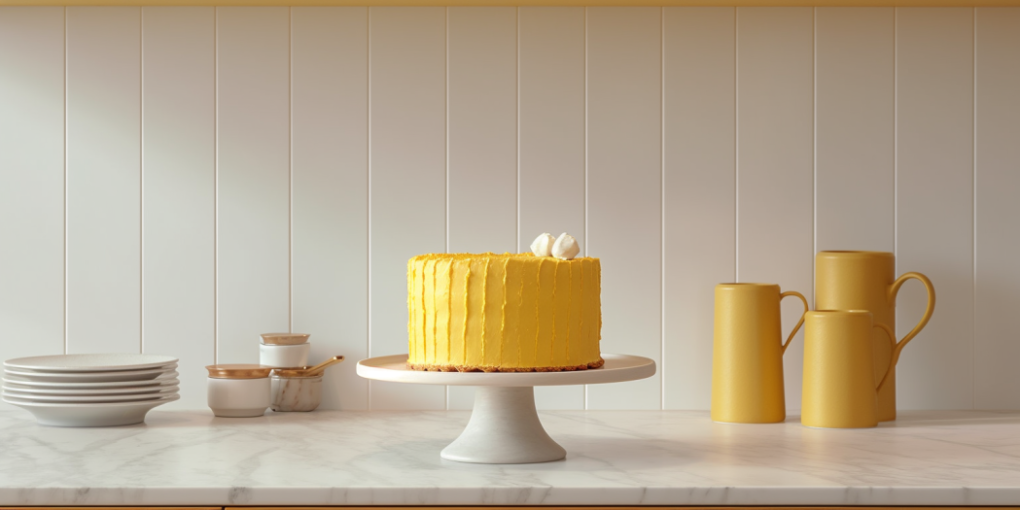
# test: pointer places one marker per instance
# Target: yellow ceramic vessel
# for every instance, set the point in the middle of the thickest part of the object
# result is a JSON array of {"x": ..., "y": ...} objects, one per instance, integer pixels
[
  {"x": 747, "y": 354},
  {"x": 866, "y": 280},
  {"x": 839, "y": 376}
]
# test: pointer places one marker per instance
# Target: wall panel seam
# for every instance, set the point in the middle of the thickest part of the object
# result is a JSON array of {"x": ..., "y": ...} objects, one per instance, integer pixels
[
  {"x": 290, "y": 169},
  {"x": 216, "y": 184},
  {"x": 446, "y": 153},
  {"x": 814, "y": 149},
  {"x": 446, "y": 199},
  {"x": 973, "y": 325},
  {"x": 896, "y": 131},
  {"x": 517, "y": 34},
  {"x": 368, "y": 196},
  {"x": 895, "y": 125},
  {"x": 662, "y": 206},
  {"x": 586, "y": 252},
  {"x": 368, "y": 273},
  {"x": 65, "y": 180},
  {"x": 141, "y": 179},
  {"x": 736, "y": 144},
  {"x": 517, "y": 119}
]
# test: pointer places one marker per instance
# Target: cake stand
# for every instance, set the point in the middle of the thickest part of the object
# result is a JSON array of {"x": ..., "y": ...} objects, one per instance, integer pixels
[{"x": 504, "y": 427}]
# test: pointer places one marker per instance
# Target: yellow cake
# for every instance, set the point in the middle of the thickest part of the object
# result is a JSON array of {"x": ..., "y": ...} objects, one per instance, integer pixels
[{"x": 503, "y": 313}]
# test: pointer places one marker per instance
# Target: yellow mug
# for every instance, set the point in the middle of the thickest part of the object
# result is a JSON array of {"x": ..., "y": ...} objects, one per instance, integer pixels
[
  {"x": 866, "y": 280},
  {"x": 747, "y": 353},
  {"x": 839, "y": 378}
]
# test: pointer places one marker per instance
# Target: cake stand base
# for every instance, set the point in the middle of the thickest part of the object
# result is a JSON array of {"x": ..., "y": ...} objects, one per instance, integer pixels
[
  {"x": 504, "y": 429},
  {"x": 504, "y": 426}
]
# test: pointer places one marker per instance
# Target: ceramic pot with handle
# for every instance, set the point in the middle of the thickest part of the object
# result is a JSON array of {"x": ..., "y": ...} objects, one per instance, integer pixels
[
  {"x": 747, "y": 353},
  {"x": 839, "y": 376},
  {"x": 866, "y": 280}
]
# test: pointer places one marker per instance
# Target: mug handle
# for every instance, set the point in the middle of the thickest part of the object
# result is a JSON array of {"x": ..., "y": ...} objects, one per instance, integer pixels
[
  {"x": 893, "y": 359},
  {"x": 898, "y": 346},
  {"x": 799, "y": 324}
]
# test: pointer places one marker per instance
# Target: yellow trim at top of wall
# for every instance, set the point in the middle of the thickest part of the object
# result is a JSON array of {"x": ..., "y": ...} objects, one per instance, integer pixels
[{"x": 567, "y": 3}]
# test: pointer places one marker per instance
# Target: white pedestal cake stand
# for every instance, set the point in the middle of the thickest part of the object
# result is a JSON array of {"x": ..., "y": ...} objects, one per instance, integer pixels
[{"x": 504, "y": 427}]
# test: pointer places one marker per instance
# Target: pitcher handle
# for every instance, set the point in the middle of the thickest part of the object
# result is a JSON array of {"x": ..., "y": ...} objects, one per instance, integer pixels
[
  {"x": 895, "y": 357},
  {"x": 799, "y": 324},
  {"x": 898, "y": 346}
]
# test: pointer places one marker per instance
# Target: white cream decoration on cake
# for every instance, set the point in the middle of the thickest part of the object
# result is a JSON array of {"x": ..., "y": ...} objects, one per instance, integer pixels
[
  {"x": 565, "y": 247},
  {"x": 542, "y": 245}
]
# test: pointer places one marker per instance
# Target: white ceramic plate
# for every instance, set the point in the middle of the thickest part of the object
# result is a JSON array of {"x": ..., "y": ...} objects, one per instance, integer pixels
[
  {"x": 129, "y": 390},
  {"x": 90, "y": 362},
  {"x": 164, "y": 379},
  {"x": 90, "y": 415},
  {"x": 128, "y": 375},
  {"x": 79, "y": 399},
  {"x": 83, "y": 399},
  {"x": 86, "y": 400}
]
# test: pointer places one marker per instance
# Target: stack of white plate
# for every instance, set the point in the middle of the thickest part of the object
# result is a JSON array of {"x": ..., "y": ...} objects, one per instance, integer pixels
[{"x": 90, "y": 390}]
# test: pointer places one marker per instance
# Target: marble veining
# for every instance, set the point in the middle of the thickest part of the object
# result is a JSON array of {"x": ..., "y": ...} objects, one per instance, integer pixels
[
  {"x": 295, "y": 394},
  {"x": 614, "y": 458}
]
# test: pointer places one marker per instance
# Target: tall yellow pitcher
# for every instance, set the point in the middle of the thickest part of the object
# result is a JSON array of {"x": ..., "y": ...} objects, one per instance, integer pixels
[
  {"x": 866, "y": 280},
  {"x": 747, "y": 354}
]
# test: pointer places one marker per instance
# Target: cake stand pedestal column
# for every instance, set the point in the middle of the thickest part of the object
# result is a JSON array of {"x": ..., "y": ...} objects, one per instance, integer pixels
[{"x": 504, "y": 429}]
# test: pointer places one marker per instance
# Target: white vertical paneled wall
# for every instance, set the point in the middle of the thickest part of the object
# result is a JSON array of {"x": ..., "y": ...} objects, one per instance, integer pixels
[
  {"x": 774, "y": 162},
  {"x": 624, "y": 192},
  {"x": 179, "y": 180},
  {"x": 551, "y": 148},
  {"x": 481, "y": 95},
  {"x": 252, "y": 178},
  {"x": 997, "y": 180},
  {"x": 179, "y": 190},
  {"x": 103, "y": 183},
  {"x": 31, "y": 181},
  {"x": 935, "y": 202},
  {"x": 699, "y": 226},
  {"x": 854, "y": 129},
  {"x": 407, "y": 188},
  {"x": 329, "y": 202}
]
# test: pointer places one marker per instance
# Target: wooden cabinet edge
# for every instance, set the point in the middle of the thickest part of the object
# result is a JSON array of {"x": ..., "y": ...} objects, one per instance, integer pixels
[
  {"x": 523, "y": 3},
  {"x": 660, "y": 507},
  {"x": 332, "y": 507}
]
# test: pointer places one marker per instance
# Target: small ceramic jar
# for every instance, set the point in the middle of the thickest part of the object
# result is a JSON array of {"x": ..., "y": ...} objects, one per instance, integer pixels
[
  {"x": 284, "y": 356},
  {"x": 284, "y": 350},
  {"x": 238, "y": 391},
  {"x": 288, "y": 394}
]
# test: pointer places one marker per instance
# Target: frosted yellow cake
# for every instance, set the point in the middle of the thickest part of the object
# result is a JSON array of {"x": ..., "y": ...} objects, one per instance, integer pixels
[{"x": 503, "y": 313}]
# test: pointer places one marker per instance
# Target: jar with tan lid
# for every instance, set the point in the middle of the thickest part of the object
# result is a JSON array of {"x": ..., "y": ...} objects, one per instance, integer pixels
[
  {"x": 284, "y": 350},
  {"x": 238, "y": 390}
]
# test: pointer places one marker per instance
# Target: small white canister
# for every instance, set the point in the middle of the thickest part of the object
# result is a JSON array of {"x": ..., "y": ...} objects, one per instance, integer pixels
[
  {"x": 238, "y": 390},
  {"x": 284, "y": 350}
]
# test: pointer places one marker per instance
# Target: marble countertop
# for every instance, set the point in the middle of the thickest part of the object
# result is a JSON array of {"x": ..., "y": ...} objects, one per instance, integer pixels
[{"x": 614, "y": 458}]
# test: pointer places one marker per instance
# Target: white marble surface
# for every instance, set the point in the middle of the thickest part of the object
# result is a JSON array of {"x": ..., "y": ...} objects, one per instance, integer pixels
[{"x": 614, "y": 458}]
